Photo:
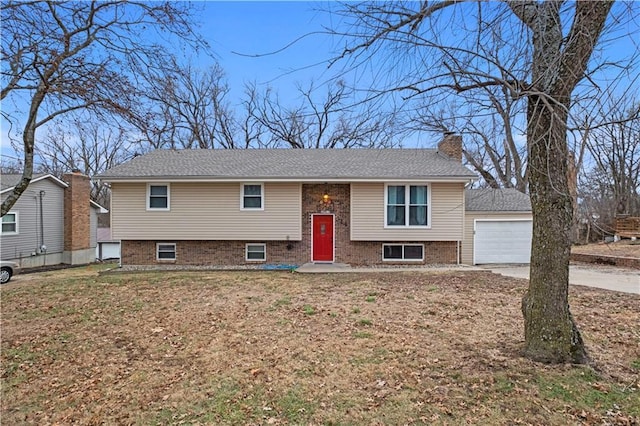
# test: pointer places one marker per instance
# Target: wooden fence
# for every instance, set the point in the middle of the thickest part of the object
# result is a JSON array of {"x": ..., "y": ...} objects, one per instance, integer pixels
[{"x": 628, "y": 227}]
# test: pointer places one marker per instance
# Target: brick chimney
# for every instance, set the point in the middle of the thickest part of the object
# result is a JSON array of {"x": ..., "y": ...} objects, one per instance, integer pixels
[
  {"x": 451, "y": 146},
  {"x": 77, "y": 219}
]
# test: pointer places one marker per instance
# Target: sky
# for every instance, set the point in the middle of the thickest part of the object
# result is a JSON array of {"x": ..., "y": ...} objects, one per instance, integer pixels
[
  {"x": 238, "y": 31},
  {"x": 250, "y": 39}
]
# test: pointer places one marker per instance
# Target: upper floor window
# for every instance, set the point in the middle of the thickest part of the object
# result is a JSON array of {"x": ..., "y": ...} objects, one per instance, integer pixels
[
  {"x": 407, "y": 205},
  {"x": 158, "y": 196},
  {"x": 10, "y": 223},
  {"x": 252, "y": 196}
]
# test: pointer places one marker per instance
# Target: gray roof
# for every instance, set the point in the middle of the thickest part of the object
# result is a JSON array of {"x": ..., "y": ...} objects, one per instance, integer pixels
[
  {"x": 10, "y": 180},
  {"x": 290, "y": 164},
  {"x": 502, "y": 200}
]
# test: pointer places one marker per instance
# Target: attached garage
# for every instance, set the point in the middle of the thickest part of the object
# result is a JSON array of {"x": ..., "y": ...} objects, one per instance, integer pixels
[
  {"x": 498, "y": 227},
  {"x": 502, "y": 241}
]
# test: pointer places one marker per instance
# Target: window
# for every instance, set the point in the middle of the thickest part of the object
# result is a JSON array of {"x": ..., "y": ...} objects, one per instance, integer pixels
[
  {"x": 252, "y": 197},
  {"x": 407, "y": 205},
  {"x": 10, "y": 223},
  {"x": 406, "y": 252},
  {"x": 256, "y": 252},
  {"x": 165, "y": 251},
  {"x": 158, "y": 197}
]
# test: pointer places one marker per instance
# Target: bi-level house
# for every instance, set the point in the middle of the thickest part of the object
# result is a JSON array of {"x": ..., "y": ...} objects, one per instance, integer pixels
[{"x": 287, "y": 206}]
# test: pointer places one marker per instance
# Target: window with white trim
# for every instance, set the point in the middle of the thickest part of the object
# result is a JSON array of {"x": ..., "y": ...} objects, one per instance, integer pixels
[
  {"x": 403, "y": 252},
  {"x": 10, "y": 223},
  {"x": 252, "y": 196},
  {"x": 165, "y": 251},
  {"x": 255, "y": 252},
  {"x": 407, "y": 205},
  {"x": 158, "y": 196}
]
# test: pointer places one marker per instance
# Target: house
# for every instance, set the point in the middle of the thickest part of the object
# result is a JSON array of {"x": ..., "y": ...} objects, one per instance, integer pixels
[
  {"x": 287, "y": 206},
  {"x": 498, "y": 226},
  {"x": 53, "y": 222}
]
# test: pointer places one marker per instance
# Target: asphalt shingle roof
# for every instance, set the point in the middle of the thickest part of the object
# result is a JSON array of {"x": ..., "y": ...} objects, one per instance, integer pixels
[
  {"x": 290, "y": 164},
  {"x": 10, "y": 180},
  {"x": 490, "y": 199}
]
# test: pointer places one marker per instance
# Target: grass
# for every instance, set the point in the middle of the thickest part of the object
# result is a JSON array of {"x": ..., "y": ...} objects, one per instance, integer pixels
[
  {"x": 252, "y": 348},
  {"x": 308, "y": 310}
]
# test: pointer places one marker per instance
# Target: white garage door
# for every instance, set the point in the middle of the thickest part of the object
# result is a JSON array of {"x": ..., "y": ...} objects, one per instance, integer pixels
[{"x": 502, "y": 241}]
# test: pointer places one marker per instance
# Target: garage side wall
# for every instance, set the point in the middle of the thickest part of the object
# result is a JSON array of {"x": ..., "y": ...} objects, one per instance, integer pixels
[{"x": 471, "y": 216}]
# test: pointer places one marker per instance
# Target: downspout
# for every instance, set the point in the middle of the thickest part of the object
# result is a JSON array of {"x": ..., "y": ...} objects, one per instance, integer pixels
[
  {"x": 43, "y": 248},
  {"x": 458, "y": 251}
]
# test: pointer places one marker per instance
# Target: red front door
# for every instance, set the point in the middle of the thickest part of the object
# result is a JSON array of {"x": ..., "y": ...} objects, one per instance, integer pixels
[{"x": 322, "y": 239}]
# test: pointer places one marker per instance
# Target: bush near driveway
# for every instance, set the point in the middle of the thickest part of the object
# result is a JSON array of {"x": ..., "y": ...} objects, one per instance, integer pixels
[{"x": 281, "y": 348}]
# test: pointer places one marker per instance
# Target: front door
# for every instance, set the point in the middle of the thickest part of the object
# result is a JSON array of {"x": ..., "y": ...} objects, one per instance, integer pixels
[{"x": 322, "y": 238}]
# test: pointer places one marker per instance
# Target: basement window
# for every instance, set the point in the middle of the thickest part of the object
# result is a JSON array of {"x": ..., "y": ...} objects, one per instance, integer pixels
[
  {"x": 403, "y": 252},
  {"x": 165, "y": 251},
  {"x": 256, "y": 252}
]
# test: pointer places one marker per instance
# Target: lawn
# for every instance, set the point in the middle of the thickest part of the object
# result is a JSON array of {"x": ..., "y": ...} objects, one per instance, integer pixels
[{"x": 283, "y": 348}]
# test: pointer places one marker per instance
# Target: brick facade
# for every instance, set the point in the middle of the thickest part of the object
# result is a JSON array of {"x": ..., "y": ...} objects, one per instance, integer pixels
[
  {"x": 77, "y": 219},
  {"x": 223, "y": 253},
  {"x": 219, "y": 253}
]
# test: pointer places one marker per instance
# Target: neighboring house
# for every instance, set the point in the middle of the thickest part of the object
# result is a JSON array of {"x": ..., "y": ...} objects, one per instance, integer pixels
[
  {"x": 498, "y": 227},
  {"x": 288, "y": 206},
  {"x": 107, "y": 248},
  {"x": 54, "y": 221}
]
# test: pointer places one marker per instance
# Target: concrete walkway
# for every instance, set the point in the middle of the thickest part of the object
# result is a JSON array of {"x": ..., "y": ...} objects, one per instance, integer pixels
[
  {"x": 323, "y": 268},
  {"x": 606, "y": 277}
]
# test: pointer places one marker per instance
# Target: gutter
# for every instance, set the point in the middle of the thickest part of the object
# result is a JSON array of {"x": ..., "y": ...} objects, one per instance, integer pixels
[{"x": 199, "y": 179}]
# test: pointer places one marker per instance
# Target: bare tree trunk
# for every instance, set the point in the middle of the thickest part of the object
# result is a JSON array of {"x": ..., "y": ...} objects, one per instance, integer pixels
[
  {"x": 550, "y": 333},
  {"x": 557, "y": 40}
]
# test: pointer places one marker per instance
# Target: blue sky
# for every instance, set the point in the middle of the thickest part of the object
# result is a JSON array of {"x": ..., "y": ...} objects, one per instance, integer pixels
[
  {"x": 234, "y": 29},
  {"x": 261, "y": 28},
  {"x": 240, "y": 28}
]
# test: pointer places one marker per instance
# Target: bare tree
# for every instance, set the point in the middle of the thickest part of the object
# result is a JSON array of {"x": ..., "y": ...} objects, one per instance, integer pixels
[
  {"x": 612, "y": 184},
  {"x": 556, "y": 41},
  {"x": 493, "y": 145},
  {"x": 60, "y": 57},
  {"x": 84, "y": 145},
  {"x": 187, "y": 107},
  {"x": 327, "y": 122}
]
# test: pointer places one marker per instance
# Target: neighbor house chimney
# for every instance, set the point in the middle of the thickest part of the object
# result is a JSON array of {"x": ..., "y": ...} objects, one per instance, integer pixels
[
  {"x": 77, "y": 220},
  {"x": 451, "y": 146}
]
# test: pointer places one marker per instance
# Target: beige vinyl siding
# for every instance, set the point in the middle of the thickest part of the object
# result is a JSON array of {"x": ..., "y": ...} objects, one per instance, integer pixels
[
  {"x": 470, "y": 217},
  {"x": 367, "y": 214},
  {"x": 206, "y": 211},
  {"x": 28, "y": 239}
]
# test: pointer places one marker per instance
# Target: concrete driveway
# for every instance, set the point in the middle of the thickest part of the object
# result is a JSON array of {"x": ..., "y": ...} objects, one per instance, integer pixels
[{"x": 600, "y": 276}]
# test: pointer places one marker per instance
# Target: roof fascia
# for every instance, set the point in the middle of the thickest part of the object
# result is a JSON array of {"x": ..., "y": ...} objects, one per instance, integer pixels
[
  {"x": 494, "y": 211},
  {"x": 443, "y": 179},
  {"x": 98, "y": 206},
  {"x": 47, "y": 176}
]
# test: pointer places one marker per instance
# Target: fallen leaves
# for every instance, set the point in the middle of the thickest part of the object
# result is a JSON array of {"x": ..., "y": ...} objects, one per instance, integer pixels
[{"x": 271, "y": 348}]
